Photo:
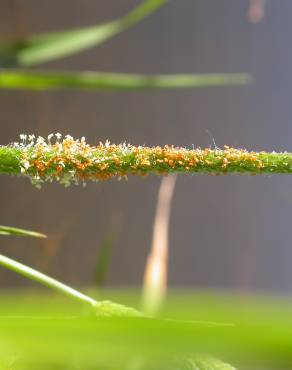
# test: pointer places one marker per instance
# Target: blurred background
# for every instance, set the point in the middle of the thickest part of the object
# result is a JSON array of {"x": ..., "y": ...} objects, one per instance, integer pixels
[{"x": 229, "y": 232}]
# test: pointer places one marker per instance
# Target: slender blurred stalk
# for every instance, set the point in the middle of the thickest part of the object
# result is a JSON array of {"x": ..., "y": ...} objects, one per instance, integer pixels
[
  {"x": 155, "y": 275},
  {"x": 44, "y": 80},
  {"x": 105, "y": 253}
]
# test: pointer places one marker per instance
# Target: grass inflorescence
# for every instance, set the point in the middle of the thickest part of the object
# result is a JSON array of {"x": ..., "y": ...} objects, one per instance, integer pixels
[{"x": 68, "y": 160}]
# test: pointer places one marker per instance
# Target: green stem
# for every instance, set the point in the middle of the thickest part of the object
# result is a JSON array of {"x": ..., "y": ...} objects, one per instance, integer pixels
[
  {"x": 38, "y": 80},
  {"x": 43, "y": 279}
]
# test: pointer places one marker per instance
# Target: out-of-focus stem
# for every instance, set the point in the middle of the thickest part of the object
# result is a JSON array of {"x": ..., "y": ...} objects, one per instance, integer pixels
[
  {"x": 256, "y": 10},
  {"x": 155, "y": 275}
]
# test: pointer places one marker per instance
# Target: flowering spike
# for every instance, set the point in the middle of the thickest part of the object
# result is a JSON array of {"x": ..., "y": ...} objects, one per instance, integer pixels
[{"x": 72, "y": 161}]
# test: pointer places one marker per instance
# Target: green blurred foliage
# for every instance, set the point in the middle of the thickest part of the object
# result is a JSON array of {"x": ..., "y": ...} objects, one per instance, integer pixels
[{"x": 46, "y": 329}]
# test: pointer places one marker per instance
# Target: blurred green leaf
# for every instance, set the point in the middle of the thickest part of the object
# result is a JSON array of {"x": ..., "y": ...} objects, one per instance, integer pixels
[
  {"x": 51, "y": 46},
  {"x": 113, "y": 81},
  {"x": 259, "y": 336},
  {"x": 7, "y": 230}
]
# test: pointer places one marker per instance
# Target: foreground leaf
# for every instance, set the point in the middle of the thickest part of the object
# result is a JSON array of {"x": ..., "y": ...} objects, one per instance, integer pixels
[{"x": 46, "y": 331}]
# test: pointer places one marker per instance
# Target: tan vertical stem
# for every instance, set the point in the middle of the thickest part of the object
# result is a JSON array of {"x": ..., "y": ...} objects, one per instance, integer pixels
[{"x": 155, "y": 275}]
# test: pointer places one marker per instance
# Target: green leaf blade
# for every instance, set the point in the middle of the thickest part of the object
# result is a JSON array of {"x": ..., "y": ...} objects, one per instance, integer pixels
[
  {"x": 40, "y": 80},
  {"x": 47, "y": 47},
  {"x": 8, "y": 230}
]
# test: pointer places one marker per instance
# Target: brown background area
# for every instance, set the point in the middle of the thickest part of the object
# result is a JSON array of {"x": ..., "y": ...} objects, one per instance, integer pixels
[{"x": 226, "y": 232}]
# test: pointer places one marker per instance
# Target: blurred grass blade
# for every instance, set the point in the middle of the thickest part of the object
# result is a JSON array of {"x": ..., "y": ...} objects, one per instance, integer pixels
[
  {"x": 45, "y": 280},
  {"x": 113, "y": 81},
  {"x": 51, "y": 46},
  {"x": 7, "y": 230},
  {"x": 105, "y": 254}
]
